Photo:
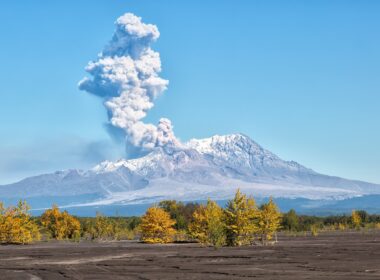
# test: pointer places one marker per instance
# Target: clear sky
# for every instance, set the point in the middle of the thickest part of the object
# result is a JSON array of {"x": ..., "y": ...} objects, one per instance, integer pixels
[{"x": 299, "y": 77}]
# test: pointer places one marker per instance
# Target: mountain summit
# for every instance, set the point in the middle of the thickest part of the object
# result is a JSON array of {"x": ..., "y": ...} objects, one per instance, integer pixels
[{"x": 199, "y": 169}]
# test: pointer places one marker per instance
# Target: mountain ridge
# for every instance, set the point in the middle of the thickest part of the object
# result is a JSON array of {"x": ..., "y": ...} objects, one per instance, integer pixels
[{"x": 200, "y": 168}]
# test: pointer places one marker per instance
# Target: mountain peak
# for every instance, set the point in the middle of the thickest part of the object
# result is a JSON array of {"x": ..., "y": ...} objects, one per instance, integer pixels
[
  {"x": 229, "y": 141},
  {"x": 237, "y": 148}
]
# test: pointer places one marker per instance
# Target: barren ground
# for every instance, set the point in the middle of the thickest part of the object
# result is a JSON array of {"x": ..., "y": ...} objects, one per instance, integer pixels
[{"x": 335, "y": 255}]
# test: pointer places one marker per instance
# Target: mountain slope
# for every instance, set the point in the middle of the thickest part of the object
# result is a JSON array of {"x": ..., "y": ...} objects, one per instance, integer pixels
[{"x": 201, "y": 168}]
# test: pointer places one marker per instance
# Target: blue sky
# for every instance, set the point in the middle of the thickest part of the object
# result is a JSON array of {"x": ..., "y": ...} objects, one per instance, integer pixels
[{"x": 299, "y": 77}]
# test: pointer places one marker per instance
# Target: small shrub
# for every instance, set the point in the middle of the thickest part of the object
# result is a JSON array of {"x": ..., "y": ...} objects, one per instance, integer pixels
[
  {"x": 356, "y": 220},
  {"x": 342, "y": 227},
  {"x": 314, "y": 229}
]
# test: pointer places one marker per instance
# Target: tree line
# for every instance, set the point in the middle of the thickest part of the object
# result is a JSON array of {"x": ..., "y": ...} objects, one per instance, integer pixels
[
  {"x": 359, "y": 219},
  {"x": 240, "y": 222},
  {"x": 17, "y": 226}
]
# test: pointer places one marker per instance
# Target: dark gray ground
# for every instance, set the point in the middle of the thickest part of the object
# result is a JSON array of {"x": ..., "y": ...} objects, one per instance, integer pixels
[{"x": 328, "y": 256}]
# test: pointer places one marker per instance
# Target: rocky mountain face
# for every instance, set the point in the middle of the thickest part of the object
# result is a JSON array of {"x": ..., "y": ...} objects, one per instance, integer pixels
[{"x": 213, "y": 167}]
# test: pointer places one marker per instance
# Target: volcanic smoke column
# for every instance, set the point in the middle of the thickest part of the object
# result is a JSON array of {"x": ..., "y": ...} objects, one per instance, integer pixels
[{"x": 126, "y": 76}]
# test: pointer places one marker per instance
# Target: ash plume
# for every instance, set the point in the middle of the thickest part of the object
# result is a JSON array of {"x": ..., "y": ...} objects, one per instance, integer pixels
[{"x": 126, "y": 77}]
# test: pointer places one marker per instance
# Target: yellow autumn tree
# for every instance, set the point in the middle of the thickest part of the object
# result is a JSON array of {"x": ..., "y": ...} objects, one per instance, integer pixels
[
  {"x": 269, "y": 219},
  {"x": 103, "y": 228},
  {"x": 16, "y": 225},
  {"x": 60, "y": 225},
  {"x": 208, "y": 226},
  {"x": 240, "y": 216},
  {"x": 157, "y": 226},
  {"x": 356, "y": 219}
]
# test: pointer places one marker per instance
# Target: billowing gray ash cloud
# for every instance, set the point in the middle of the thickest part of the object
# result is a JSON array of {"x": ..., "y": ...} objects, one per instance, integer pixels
[{"x": 126, "y": 77}]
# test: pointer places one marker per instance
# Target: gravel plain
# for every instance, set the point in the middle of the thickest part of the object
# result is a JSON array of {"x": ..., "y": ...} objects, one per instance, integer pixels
[{"x": 335, "y": 255}]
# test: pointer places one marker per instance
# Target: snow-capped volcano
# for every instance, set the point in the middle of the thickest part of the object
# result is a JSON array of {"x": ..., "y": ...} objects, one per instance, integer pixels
[
  {"x": 234, "y": 151},
  {"x": 213, "y": 167}
]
